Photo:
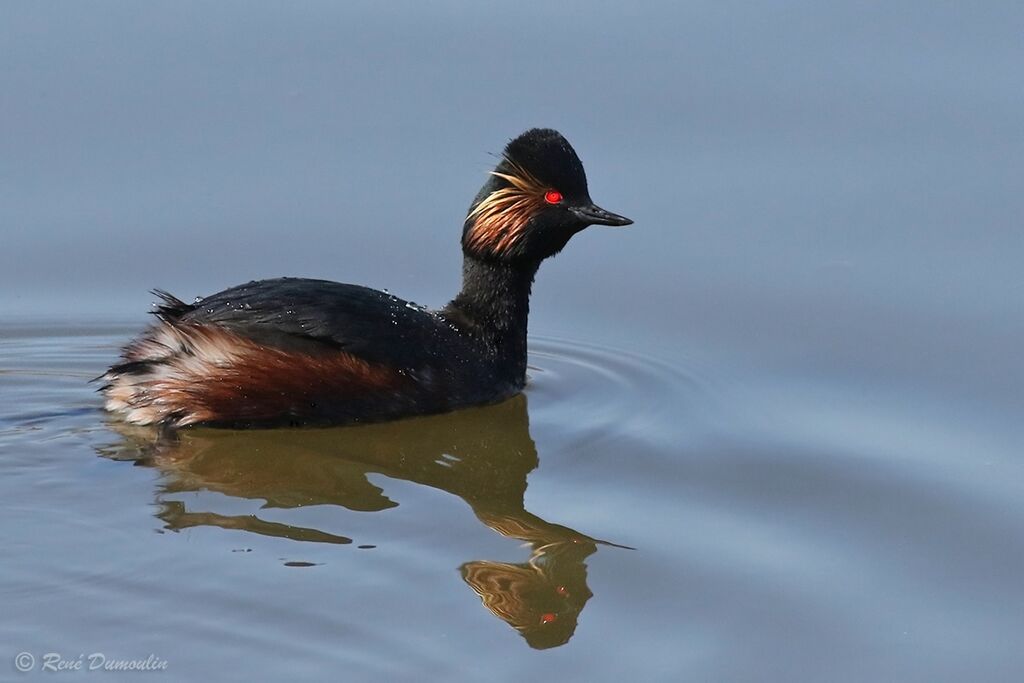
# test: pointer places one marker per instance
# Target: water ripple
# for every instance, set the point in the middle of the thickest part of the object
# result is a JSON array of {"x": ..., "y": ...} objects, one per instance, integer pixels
[{"x": 608, "y": 392}]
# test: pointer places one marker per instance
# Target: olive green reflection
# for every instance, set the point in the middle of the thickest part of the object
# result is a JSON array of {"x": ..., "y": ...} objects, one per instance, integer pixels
[{"x": 482, "y": 455}]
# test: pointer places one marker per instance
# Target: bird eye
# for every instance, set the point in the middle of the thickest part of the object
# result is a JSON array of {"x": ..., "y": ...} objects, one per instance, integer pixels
[{"x": 553, "y": 197}]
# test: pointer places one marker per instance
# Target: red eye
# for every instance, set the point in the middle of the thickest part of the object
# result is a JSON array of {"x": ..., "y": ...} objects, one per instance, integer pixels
[{"x": 553, "y": 197}]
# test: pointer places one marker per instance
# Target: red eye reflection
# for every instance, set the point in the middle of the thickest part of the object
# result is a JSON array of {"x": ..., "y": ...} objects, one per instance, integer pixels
[{"x": 553, "y": 197}]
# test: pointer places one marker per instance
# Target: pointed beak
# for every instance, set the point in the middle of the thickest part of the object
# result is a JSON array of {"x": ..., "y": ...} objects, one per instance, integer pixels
[{"x": 595, "y": 215}]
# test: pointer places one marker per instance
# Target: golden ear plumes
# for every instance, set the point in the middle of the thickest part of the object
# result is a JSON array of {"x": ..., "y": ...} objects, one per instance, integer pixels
[{"x": 500, "y": 220}]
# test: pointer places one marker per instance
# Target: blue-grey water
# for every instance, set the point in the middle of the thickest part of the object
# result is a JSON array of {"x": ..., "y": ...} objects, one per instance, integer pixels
[{"x": 793, "y": 390}]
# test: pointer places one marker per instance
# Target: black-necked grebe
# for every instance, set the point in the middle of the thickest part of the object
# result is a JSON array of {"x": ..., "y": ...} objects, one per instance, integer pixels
[{"x": 299, "y": 351}]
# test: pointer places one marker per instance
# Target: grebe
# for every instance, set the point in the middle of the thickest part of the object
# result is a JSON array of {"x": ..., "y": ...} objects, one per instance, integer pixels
[{"x": 298, "y": 351}]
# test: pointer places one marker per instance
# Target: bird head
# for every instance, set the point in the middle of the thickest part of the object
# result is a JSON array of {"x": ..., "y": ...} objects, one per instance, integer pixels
[{"x": 534, "y": 201}]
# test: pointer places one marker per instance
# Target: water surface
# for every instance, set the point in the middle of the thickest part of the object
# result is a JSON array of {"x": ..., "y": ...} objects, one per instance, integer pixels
[{"x": 625, "y": 515}]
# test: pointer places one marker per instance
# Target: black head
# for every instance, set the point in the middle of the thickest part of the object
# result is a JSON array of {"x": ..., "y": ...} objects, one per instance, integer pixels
[{"x": 534, "y": 202}]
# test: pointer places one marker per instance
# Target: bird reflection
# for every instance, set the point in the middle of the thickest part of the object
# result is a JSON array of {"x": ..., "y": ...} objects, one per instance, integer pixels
[{"x": 481, "y": 455}]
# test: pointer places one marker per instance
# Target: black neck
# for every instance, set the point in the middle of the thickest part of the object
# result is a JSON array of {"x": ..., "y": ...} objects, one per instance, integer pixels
[{"x": 494, "y": 305}]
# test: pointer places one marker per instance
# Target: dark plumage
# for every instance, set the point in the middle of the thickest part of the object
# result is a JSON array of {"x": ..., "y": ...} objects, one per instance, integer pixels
[{"x": 296, "y": 351}]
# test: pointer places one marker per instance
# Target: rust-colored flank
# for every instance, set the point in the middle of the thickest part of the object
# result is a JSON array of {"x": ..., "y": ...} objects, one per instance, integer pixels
[{"x": 203, "y": 373}]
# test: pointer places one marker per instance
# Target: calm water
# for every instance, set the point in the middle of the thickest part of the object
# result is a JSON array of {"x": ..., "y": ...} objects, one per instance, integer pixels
[
  {"x": 773, "y": 431},
  {"x": 776, "y": 529}
]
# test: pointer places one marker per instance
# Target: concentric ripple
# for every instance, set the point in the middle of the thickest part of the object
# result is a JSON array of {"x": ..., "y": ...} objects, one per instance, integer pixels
[{"x": 606, "y": 391}]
